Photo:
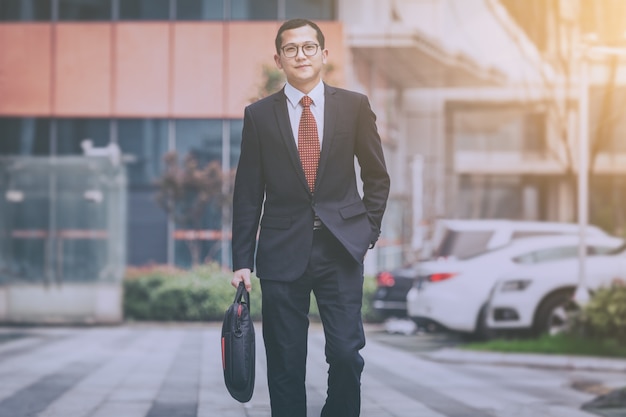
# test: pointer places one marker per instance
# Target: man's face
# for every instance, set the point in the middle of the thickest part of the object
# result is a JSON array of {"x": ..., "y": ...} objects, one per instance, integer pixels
[{"x": 302, "y": 71}]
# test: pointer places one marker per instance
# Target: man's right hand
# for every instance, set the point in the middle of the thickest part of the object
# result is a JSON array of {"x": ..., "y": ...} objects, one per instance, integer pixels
[{"x": 242, "y": 275}]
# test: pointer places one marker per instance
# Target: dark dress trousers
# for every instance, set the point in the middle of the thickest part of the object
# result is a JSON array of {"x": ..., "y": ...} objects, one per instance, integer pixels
[{"x": 292, "y": 259}]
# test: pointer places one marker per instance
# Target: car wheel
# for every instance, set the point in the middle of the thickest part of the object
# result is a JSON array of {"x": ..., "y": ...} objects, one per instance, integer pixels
[
  {"x": 554, "y": 313},
  {"x": 481, "y": 332}
]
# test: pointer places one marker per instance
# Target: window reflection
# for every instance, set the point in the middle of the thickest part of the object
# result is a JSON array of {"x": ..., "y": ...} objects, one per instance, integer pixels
[
  {"x": 102, "y": 10},
  {"x": 312, "y": 9},
  {"x": 145, "y": 142},
  {"x": 254, "y": 9},
  {"x": 200, "y": 9},
  {"x": 201, "y": 138},
  {"x": 236, "y": 127},
  {"x": 144, "y": 10},
  {"x": 24, "y": 136},
  {"x": 25, "y": 10},
  {"x": 84, "y": 9},
  {"x": 72, "y": 132}
]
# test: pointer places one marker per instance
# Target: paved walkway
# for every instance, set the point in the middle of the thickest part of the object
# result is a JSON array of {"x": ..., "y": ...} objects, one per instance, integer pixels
[{"x": 146, "y": 370}]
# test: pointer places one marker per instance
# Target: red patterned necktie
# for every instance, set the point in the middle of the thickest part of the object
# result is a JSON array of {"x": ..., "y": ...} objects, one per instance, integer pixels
[{"x": 308, "y": 142}]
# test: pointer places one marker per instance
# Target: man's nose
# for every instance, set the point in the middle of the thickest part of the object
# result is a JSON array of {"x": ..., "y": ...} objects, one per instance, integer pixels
[{"x": 300, "y": 53}]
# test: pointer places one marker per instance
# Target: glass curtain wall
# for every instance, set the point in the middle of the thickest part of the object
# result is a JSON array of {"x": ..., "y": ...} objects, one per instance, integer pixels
[
  {"x": 198, "y": 234},
  {"x": 159, "y": 10},
  {"x": 25, "y": 10},
  {"x": 143, "y": 144}
]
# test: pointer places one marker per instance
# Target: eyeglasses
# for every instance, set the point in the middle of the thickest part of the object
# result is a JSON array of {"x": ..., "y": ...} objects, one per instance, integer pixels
[{"x": 308, "y": 49}]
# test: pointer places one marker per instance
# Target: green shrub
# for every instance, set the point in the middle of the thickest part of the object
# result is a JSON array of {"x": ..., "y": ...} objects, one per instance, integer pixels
[
  {"x": 202, "y": 294},
  {"x": 605, "y": 315}
]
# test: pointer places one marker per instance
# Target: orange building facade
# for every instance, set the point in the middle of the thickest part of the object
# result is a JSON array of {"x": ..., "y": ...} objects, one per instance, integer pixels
[
  {"x": 153, "y": 69},
  {"x": 148, "y": 86}
]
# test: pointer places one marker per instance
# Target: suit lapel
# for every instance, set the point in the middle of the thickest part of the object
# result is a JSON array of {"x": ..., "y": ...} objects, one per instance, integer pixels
[
  {"x": 282, "y": 119},
  {"x": 331, "y": 108}
]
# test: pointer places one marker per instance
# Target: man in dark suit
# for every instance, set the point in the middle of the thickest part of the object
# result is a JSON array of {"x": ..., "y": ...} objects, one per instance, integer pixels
[{"x": 315, "y": 227}]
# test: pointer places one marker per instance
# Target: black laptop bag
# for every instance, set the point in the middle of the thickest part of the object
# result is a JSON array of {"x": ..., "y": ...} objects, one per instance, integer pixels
[{"x": 238, "y": 359}]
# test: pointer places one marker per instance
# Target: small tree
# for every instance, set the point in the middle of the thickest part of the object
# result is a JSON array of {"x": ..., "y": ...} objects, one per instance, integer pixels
[{"x": 185, "y": 191}]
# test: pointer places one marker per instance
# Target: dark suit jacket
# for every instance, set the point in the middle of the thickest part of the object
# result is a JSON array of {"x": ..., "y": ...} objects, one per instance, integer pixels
[{"x": 270, "y": 185}]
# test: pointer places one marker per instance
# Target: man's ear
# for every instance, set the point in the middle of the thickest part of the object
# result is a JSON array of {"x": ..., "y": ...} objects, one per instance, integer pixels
[{"x": 277, "y": 61}]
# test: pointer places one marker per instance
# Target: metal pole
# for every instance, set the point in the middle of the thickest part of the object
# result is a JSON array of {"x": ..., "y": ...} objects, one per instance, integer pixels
[{"x": 581, "y": 295}]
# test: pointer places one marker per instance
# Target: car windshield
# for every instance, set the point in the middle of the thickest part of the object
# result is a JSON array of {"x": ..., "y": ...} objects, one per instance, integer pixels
[{"x": 463, "y": 244}]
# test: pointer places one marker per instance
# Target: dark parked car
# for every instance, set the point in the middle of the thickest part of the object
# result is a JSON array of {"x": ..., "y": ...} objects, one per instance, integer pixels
[{"x": 390, "y": 295}]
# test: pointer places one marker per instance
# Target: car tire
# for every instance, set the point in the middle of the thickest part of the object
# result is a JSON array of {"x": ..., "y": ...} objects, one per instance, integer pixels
[
  {"x": 481, "y": 332},
  {"x": 554, "y": 312}
]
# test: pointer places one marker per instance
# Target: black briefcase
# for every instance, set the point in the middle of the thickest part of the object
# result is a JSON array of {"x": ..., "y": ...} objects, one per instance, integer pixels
[{"x": 238, "y": 346}]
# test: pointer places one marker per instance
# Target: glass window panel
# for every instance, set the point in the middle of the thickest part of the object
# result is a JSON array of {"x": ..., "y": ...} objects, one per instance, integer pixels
[
  {"x": 84, "y": 9},
  {"x": 144, "y": 9},
  {"x": 200, "y": 10},
  {"x": 499, "y": 130},
  {"x": 25, "y": 10},
  {"x": 72, "y": 132},
  {"x": 310, "y": 9},
  {"x": 207, "y": 251},
  {"x": 79, "y": 258},
  {"x": 201, "y": 138},
  {"x": 601, "y": 250},
  {"x": 145, "y": 141},
  {"x": 489, "y": 197},
  {"x": 535, "y": 133},
  {"x": 24, "y": 223},
  {"x": 254, "y": 9},
  {"x": 147, "y": 228},
  {"x": 547, "y": 255},
  {"x": 236, "y": 127},
  {"x": 24, "y": 136}
]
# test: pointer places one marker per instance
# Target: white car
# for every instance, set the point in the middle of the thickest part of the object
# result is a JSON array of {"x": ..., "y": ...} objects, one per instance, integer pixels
[
  {"x": 460, "y": 239},
  {"x": 454, "y": 293},
  {"x": 456, "y": 239},
  {"x": 535, "y": 297}
]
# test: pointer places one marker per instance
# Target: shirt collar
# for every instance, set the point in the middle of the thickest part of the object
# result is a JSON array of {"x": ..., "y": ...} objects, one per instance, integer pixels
[{"x": 294, "y": 95}]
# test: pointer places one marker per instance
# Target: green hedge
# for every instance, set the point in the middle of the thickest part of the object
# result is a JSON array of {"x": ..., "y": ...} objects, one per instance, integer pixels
[
  {"x": 202, "y": 294},
  {"x": 604, "y": 317}
]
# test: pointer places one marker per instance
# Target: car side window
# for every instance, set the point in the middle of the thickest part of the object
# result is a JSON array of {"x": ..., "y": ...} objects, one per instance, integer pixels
[
  {"x": 546, "y": 255},
  {"x": 600, "y": 250},
  {"x": 521, "y": 234}
]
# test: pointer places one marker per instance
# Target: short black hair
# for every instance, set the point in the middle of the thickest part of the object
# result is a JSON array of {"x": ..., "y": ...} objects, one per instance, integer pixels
[{"x": 294, "y": 24}]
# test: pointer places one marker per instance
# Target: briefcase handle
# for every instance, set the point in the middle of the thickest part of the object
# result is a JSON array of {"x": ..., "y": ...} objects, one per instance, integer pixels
[
  {"x": 242, "y": 294},
  {"x": 245, "y": 295}
]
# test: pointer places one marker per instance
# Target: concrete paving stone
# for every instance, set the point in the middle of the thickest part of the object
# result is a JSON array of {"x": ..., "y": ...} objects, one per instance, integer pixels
[
  {"x": 545, "y": 361},
  {"x": 19, "y": 345},
  {"x": 156, "y": 357},
  {"x": 86, "y": 396},
  {"x": 123, "y": 409},
  {"x": 137, "y": 366},
  {"x": 37, "y": 397}
]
